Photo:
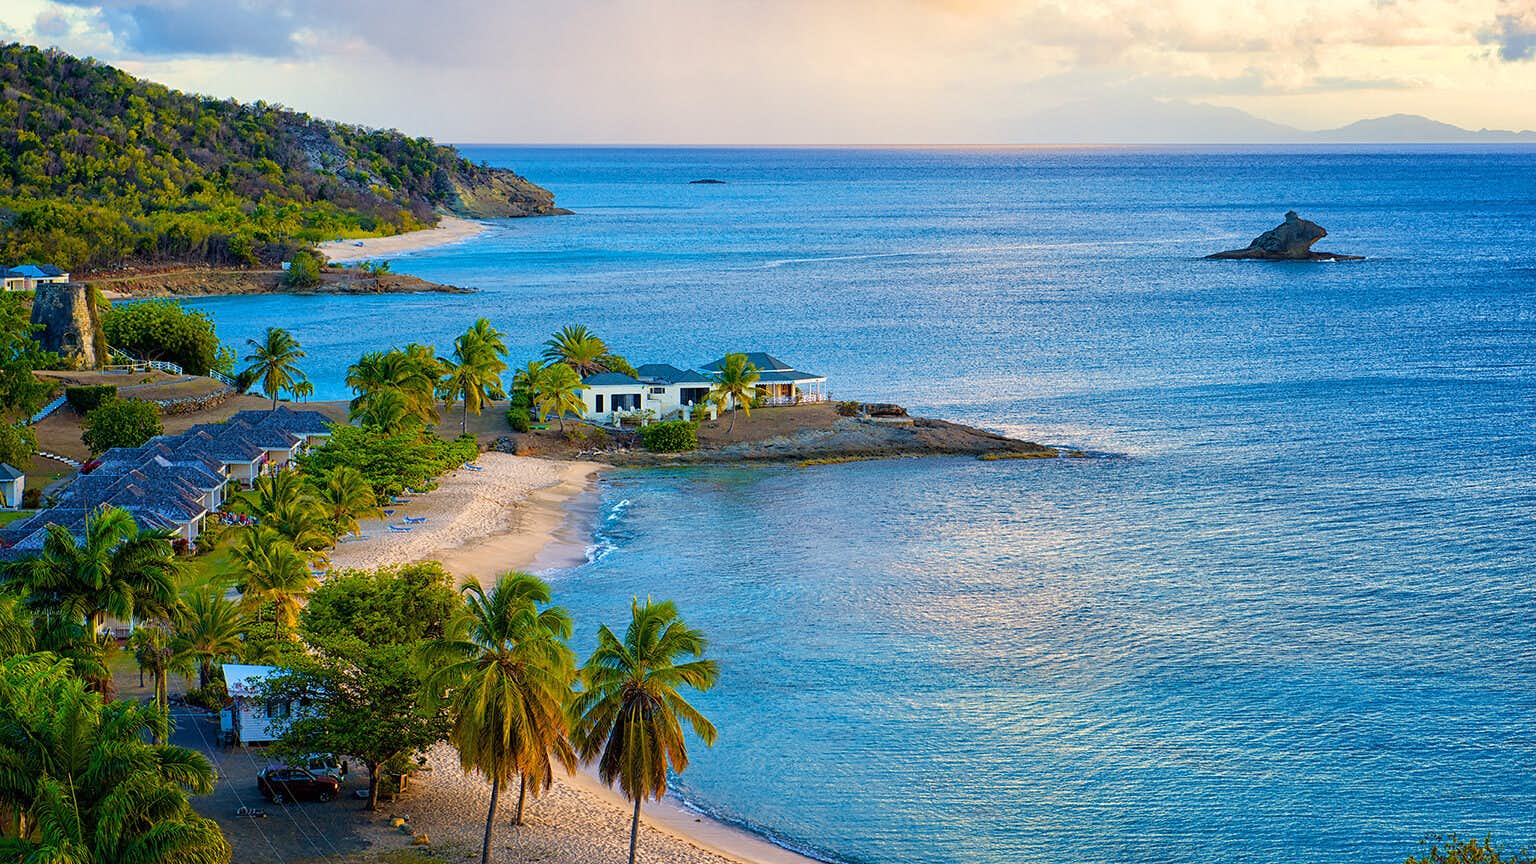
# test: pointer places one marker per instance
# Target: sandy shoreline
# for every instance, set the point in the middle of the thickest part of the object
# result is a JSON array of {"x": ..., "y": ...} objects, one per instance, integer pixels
[
  {"x": 520, "y": 512},
  {"x": 449, "y": 229}
]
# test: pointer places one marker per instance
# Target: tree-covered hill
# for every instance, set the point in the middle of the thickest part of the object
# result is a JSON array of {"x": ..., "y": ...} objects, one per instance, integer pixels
[{"x": 99, "y": 170}]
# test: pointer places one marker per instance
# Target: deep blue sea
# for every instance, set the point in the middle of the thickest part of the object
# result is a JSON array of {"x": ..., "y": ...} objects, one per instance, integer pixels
[{"x": 1286, "y": 616}]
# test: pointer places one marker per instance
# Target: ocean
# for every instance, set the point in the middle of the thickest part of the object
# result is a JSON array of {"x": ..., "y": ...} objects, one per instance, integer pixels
[{"x": 1284, "y": 612}]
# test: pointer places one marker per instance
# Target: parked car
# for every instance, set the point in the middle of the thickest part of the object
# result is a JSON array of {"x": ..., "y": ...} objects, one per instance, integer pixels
[
  {"x": 328, "y": 764},
  {"x": 283, "y": 783}
]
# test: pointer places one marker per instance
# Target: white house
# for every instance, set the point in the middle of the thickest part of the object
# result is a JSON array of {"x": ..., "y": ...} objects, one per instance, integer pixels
[
  {"x": 778, "y": 382},
  {"x": 251, "y": 717},
  {"x": 28, "y": 276},
  {"x": 12, "y": 484}
]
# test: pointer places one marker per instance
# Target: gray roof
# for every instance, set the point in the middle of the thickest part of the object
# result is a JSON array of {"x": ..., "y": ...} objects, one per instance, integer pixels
[
  {"x": 288, "y": 420},
  {"x": 34, "y": 271},
  {"x": 787, "y": 377},
  {"x": 764, "y": 362},
  {"x": 666, "y": 373},
  {"x": 10, "y": 472},
  {"x": 609, "y": 378}
]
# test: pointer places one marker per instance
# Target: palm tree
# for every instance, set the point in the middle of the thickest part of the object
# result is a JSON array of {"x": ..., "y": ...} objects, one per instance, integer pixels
[
  {"x": 410, "y": 377},
  {"x": 735, "y": 383},
  {"x": 629, "y": 712},
  {"x": 287, "y": 505},
  {"x": 273, "y": 572},
  {"x": 578, "y": 348},
  {"x": 505, "y": 675},
  {"x": 474, "y": 373},
  {"x": 345, "y": 497},
  {"x": 275, "y": 362},
  {"x": 557, "y": 393},
  {"x": 387, "y": 412},
  {"x": 210, "y": 631},
  {"x": 119, "y": 570},
  {"x": 82, "y": 783},
  {"x": 153, "y": 651}
]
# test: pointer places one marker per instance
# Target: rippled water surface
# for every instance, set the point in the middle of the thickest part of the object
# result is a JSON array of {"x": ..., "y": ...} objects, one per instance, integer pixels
[{"x": 1288, "y": 616}]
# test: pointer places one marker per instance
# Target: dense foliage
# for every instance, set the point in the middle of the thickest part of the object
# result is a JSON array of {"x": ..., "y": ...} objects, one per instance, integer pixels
[
  {"x": 1454, "y": 850},
  {"x": 21, "y": 393},
  {"x": 670, "y": 436},
  {"x": 120, "y": 423},
  {"x": 303, "y": 271},
  {"x": 85, "y": 398},
  {"x": 166, "y": 330},
  {"x": 99, "y": 169},
  {"x": 391, "y": 463}
]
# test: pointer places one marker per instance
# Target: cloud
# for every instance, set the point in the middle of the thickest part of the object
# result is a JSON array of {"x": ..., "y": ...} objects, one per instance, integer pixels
[
  {"x": 181, "y": 28},
  {"x": 1513, "y": 35}
]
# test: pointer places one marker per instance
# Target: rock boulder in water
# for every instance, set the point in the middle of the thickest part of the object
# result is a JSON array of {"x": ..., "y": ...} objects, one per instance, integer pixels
[
  {"x": 1291, "y": 240},
  {"x": 71, "y": 324}
]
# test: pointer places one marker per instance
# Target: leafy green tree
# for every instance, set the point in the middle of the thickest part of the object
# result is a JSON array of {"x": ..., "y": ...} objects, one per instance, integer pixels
[
  {"x": 361, "y": 630},
  {"x": 120, "y": 423},
  {"x": 505, "y": 674},
  {"x": 82, "y": 783},
  {"x": 18, "y": 443},
  {"x": 275, "y": 362},
  {"x": 736, "y": 385},
  {"x": 303, "y": 271},
  {"x": 577, "y": 347},
  {"x": 1454, "y": 850},
  {"x": 21, "y": 393},
  {"x": 629, "y": 713},
  {"x": 164, "y": 330},
  {"x": 391, "y": 462}
]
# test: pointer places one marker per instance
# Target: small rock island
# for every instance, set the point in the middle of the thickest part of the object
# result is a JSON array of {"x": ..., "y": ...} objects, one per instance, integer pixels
[
  {"x": 707, "y": 181},
  {"x": 1291, "y": 240}
]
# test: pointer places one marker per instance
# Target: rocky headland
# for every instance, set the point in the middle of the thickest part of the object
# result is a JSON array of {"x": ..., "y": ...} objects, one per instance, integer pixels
[
  {"x": 212, "y": 281},
  {"x": 1291, "y": 240}
]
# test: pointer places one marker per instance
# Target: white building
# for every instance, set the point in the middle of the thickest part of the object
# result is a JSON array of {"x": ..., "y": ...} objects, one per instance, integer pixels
[
  {"x": 779, "y": 383},
  {"x": 28, "y": 276},
  {"x": 12, "y": 484},
  {"x": 667, "y": 391},
  {"x": 252, "y": 718}
]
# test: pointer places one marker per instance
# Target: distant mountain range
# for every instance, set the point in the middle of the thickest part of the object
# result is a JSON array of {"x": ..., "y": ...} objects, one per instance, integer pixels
[{"x": 1153, "y": 121}]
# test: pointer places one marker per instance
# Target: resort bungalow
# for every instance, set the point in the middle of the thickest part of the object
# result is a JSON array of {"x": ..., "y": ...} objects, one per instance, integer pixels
[
  {"x": 28, "y": 276},
  {"x": 250, "y": 717},
  {"x": 778, "y": 382},
  {"x": 12, "y": 484}
]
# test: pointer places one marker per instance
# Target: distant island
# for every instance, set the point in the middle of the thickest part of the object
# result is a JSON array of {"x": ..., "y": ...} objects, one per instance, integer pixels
[
  {"x": 708, "y": 181},
  {"x": 1291, "y": 240},
  {"x": 103, "y": 171}
]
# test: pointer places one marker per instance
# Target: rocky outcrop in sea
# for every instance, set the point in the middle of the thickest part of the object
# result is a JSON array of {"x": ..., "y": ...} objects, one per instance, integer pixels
[{"x": 1291, "y": 240}]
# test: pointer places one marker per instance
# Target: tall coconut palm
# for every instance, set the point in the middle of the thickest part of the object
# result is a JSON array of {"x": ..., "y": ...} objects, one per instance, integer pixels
[
  {"x": 557, "y": 393},
  {"x": 287, "y": 505},
  {"x": 736, "y": 384},
  {"x": 345, "y": 497},
  {"x": 578, "y": 348},
  {"x": 488, "y": 336},
  {"x": 629, "y": 713},
  {"x": 83, "y": 784},
  {"x": 272, "y": 571},
  {"x": 505, "y": 675},
  {"x": 275, "y": 362},
  {"x": 153, "y": 651},
  {"x": 386, "y": 412},
  {"x": 410, "y": 378},
  {"x": 118, "y": 570},
  {"x": 209, "y": 632},
  {"x": 473, "y": 375},
  {"x": 16, "y": 633}
]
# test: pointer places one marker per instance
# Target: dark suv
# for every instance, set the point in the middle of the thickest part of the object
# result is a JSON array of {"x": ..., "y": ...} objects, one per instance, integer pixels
[{"x": 282, "y": 783}]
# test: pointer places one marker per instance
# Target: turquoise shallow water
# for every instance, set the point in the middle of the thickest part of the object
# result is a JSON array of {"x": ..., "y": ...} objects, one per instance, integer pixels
[{"x": 1286, "y": 617}]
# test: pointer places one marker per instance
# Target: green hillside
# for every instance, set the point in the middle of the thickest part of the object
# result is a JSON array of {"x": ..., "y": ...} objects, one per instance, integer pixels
[{"x": 99, "y": 170}]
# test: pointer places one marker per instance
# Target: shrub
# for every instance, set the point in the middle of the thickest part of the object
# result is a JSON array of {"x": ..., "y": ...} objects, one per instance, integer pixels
[
  {"x": 88, "y": 397},
  {"x": 303, "y": 271},
  {"x": 390, "y": 463},
  {"x": 848, "y": 409},
  {"x": 164, "y": 330},
  {"x": 31, "y": 498},
  {"x": 518, "y": 420},
  {"x": 670, "y": 436},
  {"x": 120, "y": 423},
  {"x": 583, "y": 435},
  {"x": 211, "y": 697}
]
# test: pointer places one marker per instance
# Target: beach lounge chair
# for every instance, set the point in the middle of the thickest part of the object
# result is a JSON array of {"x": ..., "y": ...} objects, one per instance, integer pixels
[
  {"x": 473, "y": 467},
  {"x": 399, "y": 527},
  {"x": 396, "y": 499},
  {"x": 389, "y": 512},
  {"x": 415, "y": 520}
]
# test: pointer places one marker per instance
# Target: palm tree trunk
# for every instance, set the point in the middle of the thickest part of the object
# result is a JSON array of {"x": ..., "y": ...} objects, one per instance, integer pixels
[
  {"x": 634, "y": 831},
  {"x": 522, "y": 791},
  {"x": 373, "y": 785},
  {"x": 274, "y": 400},
  {"x": 464, "y": 424},
  {"x": 490, "y": 822},
  {"x": 163, "y": 702}
]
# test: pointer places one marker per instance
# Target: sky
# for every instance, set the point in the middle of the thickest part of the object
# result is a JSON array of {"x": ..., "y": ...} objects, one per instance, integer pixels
[{"x": 813, "y": 72}]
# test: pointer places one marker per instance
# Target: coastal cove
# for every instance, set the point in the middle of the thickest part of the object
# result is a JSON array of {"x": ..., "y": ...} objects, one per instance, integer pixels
[{"x": 1287, "y": 619}]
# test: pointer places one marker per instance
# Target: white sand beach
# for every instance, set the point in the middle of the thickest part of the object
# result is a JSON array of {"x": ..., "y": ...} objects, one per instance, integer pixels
[
  {"x": 478, "y": 523},
  {"x": 449, "y": 229}
]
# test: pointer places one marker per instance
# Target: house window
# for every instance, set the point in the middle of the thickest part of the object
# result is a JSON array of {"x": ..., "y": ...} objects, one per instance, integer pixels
[
  {"x": 599, "y": 398},
  {"x": 657, "y": 391}
]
